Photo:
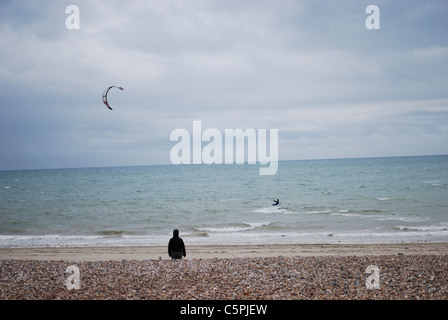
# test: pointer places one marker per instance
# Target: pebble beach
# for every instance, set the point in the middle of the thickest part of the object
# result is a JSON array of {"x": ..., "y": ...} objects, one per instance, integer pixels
[{"x": 296, "y": 277}]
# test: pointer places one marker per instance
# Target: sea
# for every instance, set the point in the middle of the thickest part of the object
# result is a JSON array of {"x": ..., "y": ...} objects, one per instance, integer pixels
[{"x": 367, "y": 200}]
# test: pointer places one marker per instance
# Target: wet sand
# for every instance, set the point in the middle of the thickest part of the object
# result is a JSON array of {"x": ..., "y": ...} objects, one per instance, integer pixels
[{"x": 221, "y": 251}]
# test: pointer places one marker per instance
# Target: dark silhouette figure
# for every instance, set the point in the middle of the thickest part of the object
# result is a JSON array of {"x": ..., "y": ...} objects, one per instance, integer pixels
[
  {"x": 176, "y": 247},
  {"x": 276, "y": 202}
]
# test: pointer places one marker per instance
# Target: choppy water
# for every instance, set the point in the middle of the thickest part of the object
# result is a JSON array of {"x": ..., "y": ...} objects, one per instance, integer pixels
[{"x": 321, "y": 201}]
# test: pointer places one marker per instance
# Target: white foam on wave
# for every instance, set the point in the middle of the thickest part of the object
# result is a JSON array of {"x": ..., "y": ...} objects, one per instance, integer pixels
[
  {"x": 52, "y": 240},
  {"x": 441, "y": 227},
  {"x": 231, "y": 199},
  {"x": 318, "y": 211},
  {"x": 24, "y": 241},
  {"x": 224, "y": 229},
  {"x": 380, "y": 217},
  {"x": 347, "y": 214},
  {"x": 436, "y": 233},
  {"x": 274, "y": 209},
  {"x": 402, "y": 218},
  {"x": 246, "y": 226},
  {"x": 431, "y": 182}
]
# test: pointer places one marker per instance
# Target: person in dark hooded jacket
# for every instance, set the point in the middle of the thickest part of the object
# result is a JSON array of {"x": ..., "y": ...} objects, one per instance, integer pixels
[{"x": 176, "y": 247}]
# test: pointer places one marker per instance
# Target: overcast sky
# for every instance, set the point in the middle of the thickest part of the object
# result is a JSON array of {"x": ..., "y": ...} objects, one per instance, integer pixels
[{"x": 309, "y": 68}]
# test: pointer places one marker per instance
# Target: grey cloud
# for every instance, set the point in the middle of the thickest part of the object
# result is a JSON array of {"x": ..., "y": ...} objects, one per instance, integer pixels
[{"x": 308, "y": 68}]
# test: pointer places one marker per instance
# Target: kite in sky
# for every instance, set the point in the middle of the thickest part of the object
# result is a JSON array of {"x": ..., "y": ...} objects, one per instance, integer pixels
[{"x": 105, "y": 95}]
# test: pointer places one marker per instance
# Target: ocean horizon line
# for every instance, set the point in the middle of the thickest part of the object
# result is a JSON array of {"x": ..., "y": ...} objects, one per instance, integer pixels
[{"x": 205, "y": 165}]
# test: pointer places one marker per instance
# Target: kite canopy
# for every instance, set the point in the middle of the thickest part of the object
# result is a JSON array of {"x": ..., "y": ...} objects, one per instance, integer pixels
[{"x": 105, "y": 95}]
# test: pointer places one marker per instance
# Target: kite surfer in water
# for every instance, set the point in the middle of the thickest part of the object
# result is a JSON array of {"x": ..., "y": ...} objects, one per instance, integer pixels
[{"x": 276, "y": 202}]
